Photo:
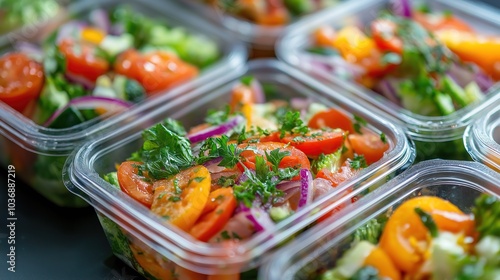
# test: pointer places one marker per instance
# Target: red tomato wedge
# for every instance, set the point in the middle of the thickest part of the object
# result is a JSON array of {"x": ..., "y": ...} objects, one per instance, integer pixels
[
  {"x": 331, "y": 118},
  {"x": 316, "y": 142},
  {"x": 218, "y": 209},
  {"x": 156, "y": 71},
  {"x": 369, "y": 145},
  {"x": 336, "y": 178},
  {"x": 21, "y": 80},
  {"x": 81, "y": 59},
  {"x": 384, "y": 33},
  {"x": 133, "y": 184},
  {"x": 296, "y": 159}
]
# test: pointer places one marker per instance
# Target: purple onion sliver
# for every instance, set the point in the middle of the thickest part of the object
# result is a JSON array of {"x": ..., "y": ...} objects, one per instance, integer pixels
[
  {"x": 483, "y": 81},
  {"x": 386, "y": 88},
  {"x": 100, "y": 19},
  {"x": 285, "y": 186},
  {"x": 306, "y": 188},
  {"x": 215, "y": 130},
  {"x": 260, "y": 219},
  {"x": 402, "y": 8}
]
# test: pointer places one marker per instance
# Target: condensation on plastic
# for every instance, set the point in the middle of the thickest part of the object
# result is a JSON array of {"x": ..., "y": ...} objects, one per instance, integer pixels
[
  {"x": 26, "y": 140},
  {"x": 482, "y": 138},
  {"x": 430, "y": 130},
  {"x": 460, "y": 182},
  {"x": 259, "y": 36},
  {"x": 84, "y": 168}
]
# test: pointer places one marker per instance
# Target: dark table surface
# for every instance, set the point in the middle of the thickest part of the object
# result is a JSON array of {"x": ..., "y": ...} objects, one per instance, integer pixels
[{"x": 58, "y": 243}]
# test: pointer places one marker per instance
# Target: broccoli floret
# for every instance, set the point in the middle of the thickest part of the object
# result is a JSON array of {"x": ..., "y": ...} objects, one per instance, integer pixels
[
  {"x": 487, "y": 216},
  {"x": 112, "y": 178},
  {"x": 370, "y": 232},
  {"x": 331, "y": 162}
]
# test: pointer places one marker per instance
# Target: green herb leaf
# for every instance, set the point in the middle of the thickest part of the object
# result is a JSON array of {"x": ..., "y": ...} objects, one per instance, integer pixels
[
  {"x": 358, "y": 162},
  {"x": 292, "y": 123},
  {"x": 428, "y": 221},
  {"x": 358, "y": 123}
]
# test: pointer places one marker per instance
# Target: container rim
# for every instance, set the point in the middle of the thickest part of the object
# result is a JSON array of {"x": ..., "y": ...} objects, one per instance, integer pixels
[
  {"x": 420, "y": 127},
  {"x": 432, "y": 168},
  {"x": 42, "y": 140},
  {"x": 81, "y": 179},
  {"x": 479, "y": 138}
]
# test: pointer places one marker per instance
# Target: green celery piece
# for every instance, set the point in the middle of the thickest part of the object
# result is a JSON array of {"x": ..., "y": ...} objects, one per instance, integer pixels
[
  {"x": 455, "y": 91},
  {"x": 473, "y": 92},
  {"x": 444, "y": 103}
]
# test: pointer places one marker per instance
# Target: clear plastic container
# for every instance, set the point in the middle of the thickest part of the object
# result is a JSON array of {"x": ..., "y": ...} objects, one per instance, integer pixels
[
  {"x": 38, "y": 153},
  {"x": 482, "y": 138},
  {"x": 172, "y": 246},
  {"x": 258, "y": 36},
  {"x": 459, "y": 182},
  {"x": 435, "y": 137}
]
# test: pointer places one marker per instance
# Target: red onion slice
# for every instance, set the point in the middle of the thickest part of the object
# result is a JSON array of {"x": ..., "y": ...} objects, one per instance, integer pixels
[
  {"x": 78, "y": 79},
  {"x": 92, "y": 102},
  {"x": 216, "y": 130},
  {"x": 321, "y": 187},
  {"x": 306, "y": 188},
  {"x": 100, "y": 19},
  {"x": 402, "y": 8},
  {"x": 260, "y": 219}
]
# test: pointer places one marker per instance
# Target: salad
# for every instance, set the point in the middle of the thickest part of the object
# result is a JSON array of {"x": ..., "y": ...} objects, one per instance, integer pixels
[
  {"x": 426, "y": 238},
  {"x": 248, "y": 167},
  {"x": 430, "y": 63},
  {"x": 102, "y": 64},
  {"x": 270, "y": 12},
  {"x": 18, "y": 13}
]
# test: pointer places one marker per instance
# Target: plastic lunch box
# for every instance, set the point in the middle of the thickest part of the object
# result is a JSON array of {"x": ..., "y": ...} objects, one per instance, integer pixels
[
  {"x": 38, "y": 153},
  {"x": 260, "y": 37},
  {"x": 169, "y": 245},
  {"x": 482, "y": 139},
  {"x": 459, "y": 182},
  {"x": 435, "y": 137}
]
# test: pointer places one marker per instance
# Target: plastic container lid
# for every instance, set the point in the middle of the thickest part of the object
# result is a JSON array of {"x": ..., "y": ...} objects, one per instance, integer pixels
[
  {"x": 84, "y": 167},
  {"x": 459, "y": 182},
  {"x": 482, "y": 139},
  {"x": 42, "y": 140},
  {"x": 421, "y": 128}
]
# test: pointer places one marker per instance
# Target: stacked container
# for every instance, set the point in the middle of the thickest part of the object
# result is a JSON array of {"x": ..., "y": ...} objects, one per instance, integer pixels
[
  {"x": 435, "y": 137},
  {"x": 482, "y": 138},
  {"x": 39, "y": 153},
  {"x": 456, "y": 181},
  {"x": 169, "y": 246}
]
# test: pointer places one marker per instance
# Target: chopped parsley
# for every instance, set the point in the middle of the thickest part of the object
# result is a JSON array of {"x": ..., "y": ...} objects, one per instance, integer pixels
[
  {"x": 358, "y": 123},
  {"x": 217, "y": 117},
  {"x": 358, "y": 162},
  {"x": 225, "y": 235},
  {"x": 161, "y": 196},
  {"x": 247, "y": 80},
  {"x": 218, "y": 147},
  {"x": 428, "y": 221},
  {"x": 177, "y": 188},
  {"x": 383, "y": 138},
  {"x": 174, "y": 199},
  {"x": 165, "y": 151},
  {"x": 226, "y": 181},
  {"x": 292, "y": 123}
]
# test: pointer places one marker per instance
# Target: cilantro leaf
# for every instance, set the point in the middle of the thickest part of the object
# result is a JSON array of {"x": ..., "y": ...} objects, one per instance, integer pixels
[
  {"x": 218, "y": 147},
  {"x": 291, "y": 122},
  {"x": 358, "y": 162},
  {"x": 165, "y": 152}
]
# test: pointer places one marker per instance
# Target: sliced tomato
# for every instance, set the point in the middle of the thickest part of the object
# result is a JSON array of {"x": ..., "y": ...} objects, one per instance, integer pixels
[
  {"x": 316, "y": 142},
  {"x": 369, "y": 145},
  {"x": 133, "y": 184},
  {"x": 332, "y": 118},
  {"x": 384, "y": 33},
  {"x": 379, "y": 259},
  {"x": 345, "y": 173},
  {"x": 156, "y": 71},
  {"x": 275, "y": 16},
  {"x": 439, "y": 22},
  {"x": 181, "y": 199},
  {"x": 218, "y": 209},
  {"x": 21, "y": 80},
  {"x": 81, "y": 59},
  {"x": 296, "y": 159}
]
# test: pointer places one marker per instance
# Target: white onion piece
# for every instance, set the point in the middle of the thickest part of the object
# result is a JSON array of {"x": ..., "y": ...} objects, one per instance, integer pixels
[{"x": 321, "y": 187}]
